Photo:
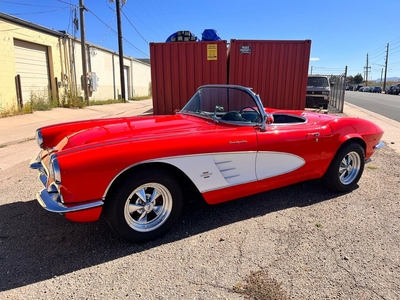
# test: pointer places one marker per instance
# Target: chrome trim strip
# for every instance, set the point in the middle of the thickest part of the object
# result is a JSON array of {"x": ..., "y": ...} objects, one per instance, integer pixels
[
  {"x": 36, "y": 162},
  {"x": 49, "y": 202},
  {"x": 379, "y": 145},
  {"x": 43, "y": 178}
]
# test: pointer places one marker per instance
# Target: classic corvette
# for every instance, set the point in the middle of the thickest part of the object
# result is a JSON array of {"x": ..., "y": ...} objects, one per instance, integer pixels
[{"x": 223, "y": 144}]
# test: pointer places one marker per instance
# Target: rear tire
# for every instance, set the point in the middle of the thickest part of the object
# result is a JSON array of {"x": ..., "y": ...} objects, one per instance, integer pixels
[
  {"x": 346, "y": 168},
  {"x": 144, "y": 206}
]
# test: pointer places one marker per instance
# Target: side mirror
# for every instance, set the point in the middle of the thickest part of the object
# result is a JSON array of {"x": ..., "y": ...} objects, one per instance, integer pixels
[{"x": 267, "y": 119}]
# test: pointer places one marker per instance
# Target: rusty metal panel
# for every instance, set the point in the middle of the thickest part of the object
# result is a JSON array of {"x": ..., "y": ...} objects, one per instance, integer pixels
[
  {"x": 276, "y": 70},
  {"x": 179, "y": 68}
]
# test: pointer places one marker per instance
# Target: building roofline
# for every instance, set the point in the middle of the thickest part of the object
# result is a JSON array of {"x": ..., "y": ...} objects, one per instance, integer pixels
[
  {"x": 60, "y": 33},
  {"x": 21, "y": 22},
  {"x": 92, "y": 45}
]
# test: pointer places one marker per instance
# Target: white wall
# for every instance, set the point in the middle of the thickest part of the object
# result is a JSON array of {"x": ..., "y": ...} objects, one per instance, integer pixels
[{"x": 105, "y": 64}]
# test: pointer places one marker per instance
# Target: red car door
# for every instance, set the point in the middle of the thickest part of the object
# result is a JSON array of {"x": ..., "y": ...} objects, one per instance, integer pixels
[{"x": 287, "y": 149}]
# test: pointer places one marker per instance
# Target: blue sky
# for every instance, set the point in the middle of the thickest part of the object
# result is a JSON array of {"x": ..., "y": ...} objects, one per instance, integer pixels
[{"x": 342, "y": 32}]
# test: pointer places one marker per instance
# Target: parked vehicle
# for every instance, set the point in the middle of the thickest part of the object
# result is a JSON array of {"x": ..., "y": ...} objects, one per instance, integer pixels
[
  {"x": 222, "y": 145},
  {"x": 358, "y": 87},
  {"x": 396, "y": 89},
  {"x": 367, "y": 89},
  {"x": 318, "y": 91},
  {"x": 390, "y": 90},
  {"x": 377, "y": 89},
  {"x": 349, "y": 87}
]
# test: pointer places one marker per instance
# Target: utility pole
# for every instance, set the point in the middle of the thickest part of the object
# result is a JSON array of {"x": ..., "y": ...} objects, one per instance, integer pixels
[
  {"x": 386, "y": 63},
  {"x": 366, "y": 72},
  {"x": 83, "y": 52},
  {"x": 121, "y": 54}
]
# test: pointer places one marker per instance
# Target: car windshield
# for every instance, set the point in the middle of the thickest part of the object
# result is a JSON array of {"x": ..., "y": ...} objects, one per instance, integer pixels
[
  {"x": 317, "y": 82},
  {"x": 228, "y": 104}
]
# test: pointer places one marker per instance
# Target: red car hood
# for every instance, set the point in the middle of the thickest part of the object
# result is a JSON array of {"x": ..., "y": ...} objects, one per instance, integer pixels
[{"x": 112, "y": 130}]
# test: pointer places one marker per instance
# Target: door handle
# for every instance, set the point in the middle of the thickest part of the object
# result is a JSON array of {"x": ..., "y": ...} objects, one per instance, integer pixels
[{"x": 315, "y": 135}]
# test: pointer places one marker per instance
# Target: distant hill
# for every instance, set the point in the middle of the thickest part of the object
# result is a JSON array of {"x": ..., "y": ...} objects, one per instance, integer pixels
[{"x": 388, "y": 79}]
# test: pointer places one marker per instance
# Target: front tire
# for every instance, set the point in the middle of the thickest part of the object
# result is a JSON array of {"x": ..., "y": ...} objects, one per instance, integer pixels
[
  {"x": 346, "y": 168},
  {"x": 144, "y": 206}
]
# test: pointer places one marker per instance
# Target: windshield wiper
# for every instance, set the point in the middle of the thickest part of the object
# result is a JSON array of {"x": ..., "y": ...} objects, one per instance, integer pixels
[{"x": 203, "y": 113}]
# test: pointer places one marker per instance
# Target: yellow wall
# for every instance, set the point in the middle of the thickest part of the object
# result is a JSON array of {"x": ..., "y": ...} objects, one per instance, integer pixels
[
  {"x": 10, "y": 31},
  {"x": 104, "y": 63}
]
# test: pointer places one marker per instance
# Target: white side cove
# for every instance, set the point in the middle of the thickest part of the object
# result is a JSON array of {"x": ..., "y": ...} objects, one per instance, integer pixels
[
  {"x": 215, "y": 171},
  {"x": 270, "y": 164}
]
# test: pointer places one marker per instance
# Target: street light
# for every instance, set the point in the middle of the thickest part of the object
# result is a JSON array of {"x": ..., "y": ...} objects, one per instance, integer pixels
[{"x": 381, "y": 69}]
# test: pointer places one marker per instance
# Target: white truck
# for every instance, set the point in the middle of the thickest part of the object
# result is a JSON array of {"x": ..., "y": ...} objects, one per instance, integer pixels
[{"x": 318, "y": 91}]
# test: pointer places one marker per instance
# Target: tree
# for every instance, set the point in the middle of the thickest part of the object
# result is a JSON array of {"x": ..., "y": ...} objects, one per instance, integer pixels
[
  {"x": 358, "y": 79},
  {"x": 350, "y": 79}
]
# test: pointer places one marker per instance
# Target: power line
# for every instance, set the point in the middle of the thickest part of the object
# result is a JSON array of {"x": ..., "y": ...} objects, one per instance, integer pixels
[
  {"x": 376, "y": 50},
  {"x": 26, "y": 4},
  {"x": 107, "y": 29},
  {"x": 38, "y": 12},
  {"x": 161, "y": 14},
  {"x": 391, "y": 53},
  {"x": 129, "y": 43},
  {"x": 134, "y": 27},
  {"x": 143, "y": 21},
  {"x": 70, "y": 4}
]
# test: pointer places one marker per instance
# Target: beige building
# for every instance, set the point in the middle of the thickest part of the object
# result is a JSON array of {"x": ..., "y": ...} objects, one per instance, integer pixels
[{"x": 37, "y": 62}]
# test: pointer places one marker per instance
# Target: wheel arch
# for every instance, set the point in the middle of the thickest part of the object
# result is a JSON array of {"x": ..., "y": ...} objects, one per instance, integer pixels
[
  {"x": 184, "y": 181},
  {"x": 343, "y": 142},
  {"x": 352, "y": 139},
  {"x": 343, "y": 174}
]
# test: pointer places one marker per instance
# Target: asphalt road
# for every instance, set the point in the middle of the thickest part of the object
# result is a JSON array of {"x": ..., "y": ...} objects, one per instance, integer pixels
[{"x": 385, "y": 105}]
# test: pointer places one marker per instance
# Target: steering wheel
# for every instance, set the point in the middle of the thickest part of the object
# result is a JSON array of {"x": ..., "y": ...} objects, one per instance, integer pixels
[{"x": 253, "y": 109}]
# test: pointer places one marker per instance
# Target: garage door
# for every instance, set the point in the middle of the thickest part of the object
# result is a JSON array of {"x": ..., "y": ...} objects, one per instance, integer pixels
[{"x": 32, "y": 65}]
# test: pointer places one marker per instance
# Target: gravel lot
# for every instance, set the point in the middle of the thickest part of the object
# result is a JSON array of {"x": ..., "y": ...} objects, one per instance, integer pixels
[{"x": 318, "y": 244}]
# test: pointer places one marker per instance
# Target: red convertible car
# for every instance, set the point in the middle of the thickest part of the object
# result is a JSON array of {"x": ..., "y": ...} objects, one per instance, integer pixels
[{"x": 222, "y": 145}]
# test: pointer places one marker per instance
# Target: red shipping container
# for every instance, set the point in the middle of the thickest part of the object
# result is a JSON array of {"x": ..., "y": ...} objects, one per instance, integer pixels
[
  {"x": 276, "y": 70},
  {"x": 179, "y": 68}
]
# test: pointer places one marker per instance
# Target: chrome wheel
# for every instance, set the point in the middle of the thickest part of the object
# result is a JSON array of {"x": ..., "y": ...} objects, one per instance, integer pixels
[
  {"x": 346, "y": 168},
  {"x": 349, "y": 168},
  {"x": 148, "y": 207}
]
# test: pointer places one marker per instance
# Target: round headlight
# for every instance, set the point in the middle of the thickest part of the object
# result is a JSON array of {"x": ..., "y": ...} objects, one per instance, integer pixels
[{"x": 39, "y": 138}]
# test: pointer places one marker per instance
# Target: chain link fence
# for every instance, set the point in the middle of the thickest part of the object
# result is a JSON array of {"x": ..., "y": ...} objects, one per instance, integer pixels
[{"x": 338, "y": 87}]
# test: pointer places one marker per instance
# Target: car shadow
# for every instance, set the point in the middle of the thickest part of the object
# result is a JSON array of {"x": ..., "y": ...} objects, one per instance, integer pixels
[{"x": 37, "y": 245}]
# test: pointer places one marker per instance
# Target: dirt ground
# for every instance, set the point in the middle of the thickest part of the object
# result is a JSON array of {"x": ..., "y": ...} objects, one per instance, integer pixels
[{"x": 317, "y": 244}]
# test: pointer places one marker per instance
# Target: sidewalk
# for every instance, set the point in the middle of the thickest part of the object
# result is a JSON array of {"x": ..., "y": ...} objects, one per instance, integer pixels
[
  {"x": 389, "y": 126},
  {"x": 17, "y": 129},
  {"x": 23, "y": 127}
]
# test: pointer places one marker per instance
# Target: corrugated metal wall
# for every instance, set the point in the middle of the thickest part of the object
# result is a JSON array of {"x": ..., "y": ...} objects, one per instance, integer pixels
[
  {"x": 179, "y": 68},
  {"x": 276, "y": 70}
]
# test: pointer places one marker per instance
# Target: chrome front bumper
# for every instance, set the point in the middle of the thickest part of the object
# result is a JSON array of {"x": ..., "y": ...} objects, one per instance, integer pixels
[
  {"x": 376, "y": 147},
  {"x": 50, "y": 202},
  {"x": 50, "y": 198},
  {"x": 379, "y": 145}
]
